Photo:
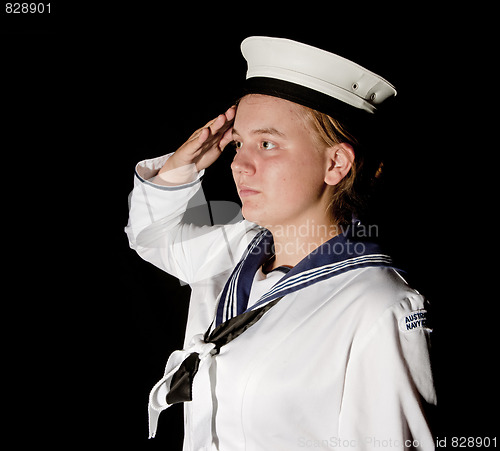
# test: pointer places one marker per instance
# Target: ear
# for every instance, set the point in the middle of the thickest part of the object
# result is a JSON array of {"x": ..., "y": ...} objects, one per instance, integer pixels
[{"x": 340, "y": 160}]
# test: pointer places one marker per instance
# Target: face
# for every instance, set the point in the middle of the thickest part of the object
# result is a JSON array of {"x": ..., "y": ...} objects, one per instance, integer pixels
[{"x": 279, "y": 170}]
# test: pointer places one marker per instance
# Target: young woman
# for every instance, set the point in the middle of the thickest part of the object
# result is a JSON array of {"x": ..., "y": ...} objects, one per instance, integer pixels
[{"x": 300, "y": 333}]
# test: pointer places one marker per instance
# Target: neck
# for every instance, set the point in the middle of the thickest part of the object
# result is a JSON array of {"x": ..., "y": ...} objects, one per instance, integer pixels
[{"x": 293, "y": 242}]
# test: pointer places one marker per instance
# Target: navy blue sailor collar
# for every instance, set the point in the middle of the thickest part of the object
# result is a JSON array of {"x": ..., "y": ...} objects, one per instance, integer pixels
[
  {"x": 344, "y": 252},
  {"x": 336, "y": 256}
]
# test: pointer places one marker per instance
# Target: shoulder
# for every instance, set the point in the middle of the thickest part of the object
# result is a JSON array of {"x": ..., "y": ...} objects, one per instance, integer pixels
[
  {"x": 387, "y": 305},
  {"x": 381, "y": 288},
  {"x": 379, "y": 295}
]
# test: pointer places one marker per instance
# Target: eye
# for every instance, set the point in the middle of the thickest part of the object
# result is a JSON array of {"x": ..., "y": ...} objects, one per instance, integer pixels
[
  {"x": 268, "y": 145},
  {"x": 238, "y": 144}
]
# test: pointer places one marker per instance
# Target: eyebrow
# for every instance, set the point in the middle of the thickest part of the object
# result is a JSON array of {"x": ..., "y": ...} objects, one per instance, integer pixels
[{"x": 263, "y": 131}]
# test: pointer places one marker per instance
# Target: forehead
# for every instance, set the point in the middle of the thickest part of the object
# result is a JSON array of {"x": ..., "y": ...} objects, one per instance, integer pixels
[{"x": 257, "y": 111}]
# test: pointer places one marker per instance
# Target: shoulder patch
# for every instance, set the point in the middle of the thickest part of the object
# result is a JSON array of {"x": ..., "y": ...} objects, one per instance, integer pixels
[{"x": 415, "y": 320}]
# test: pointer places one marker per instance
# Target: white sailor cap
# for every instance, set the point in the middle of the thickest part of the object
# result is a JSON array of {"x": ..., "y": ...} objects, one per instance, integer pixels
[{"x": 312, "y": 77}]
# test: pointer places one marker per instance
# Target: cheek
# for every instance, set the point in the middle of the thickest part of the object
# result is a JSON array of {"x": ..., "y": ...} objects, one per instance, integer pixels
[
  {"x": 279, "y": 178},
  {"x": 291, "y": 194},
  {"x": 304, "y": 178}
]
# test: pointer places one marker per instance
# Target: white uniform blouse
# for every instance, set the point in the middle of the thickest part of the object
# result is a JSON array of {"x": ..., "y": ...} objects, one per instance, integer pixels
[{"x": 342, "y": 363}]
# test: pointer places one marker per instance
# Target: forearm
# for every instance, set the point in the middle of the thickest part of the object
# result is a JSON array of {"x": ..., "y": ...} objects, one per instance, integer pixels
[{"x": 157, "y": 204}]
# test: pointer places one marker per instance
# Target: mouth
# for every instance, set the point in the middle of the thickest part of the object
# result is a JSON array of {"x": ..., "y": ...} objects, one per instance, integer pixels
[{"x": 245, "y": 191}]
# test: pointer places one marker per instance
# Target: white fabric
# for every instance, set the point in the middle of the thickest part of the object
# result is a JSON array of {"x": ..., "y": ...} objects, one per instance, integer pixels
[
  {"x": 262, "y": 283},
  {"x": 322, "y": 71},
  {"x": 331, "y": 365},
  {"x": 157, "y": 397}
]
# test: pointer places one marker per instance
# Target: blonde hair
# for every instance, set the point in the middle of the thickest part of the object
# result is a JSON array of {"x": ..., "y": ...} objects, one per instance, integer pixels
[{"x": 347, "y": 199}]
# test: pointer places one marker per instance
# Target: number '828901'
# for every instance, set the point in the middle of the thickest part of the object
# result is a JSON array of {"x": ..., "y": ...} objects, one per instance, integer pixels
[{"x": 27, "y": 8}]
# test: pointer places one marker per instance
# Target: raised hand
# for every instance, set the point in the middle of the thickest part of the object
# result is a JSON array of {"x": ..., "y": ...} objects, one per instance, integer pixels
[{"x": 205, "y": 145}]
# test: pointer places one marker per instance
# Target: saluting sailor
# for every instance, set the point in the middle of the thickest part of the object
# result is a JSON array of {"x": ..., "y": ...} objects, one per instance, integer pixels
[{"x": 300, "y": 332}]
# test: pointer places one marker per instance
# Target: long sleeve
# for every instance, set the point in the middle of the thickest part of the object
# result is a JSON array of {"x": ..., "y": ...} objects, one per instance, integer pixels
[
  {"x": 388, "y": 381},
  {"x": 158, "y": 231}
]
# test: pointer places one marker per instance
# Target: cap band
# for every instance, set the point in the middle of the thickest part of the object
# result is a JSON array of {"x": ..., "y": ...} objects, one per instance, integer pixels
[{"x": 306, "y": 97}]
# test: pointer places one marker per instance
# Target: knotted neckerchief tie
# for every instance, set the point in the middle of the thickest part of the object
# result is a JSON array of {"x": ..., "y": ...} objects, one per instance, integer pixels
[{"x": 179, "y": 384}]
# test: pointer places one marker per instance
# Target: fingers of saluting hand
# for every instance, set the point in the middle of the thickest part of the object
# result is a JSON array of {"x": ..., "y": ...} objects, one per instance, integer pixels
[
  {"x": 231, "y": 113},
  {"x": 222, "y": 121},
  {"x": 205, "y": 145},
  {"x": 228, "y": 134},
  {"x": 226, "y": 138},
  {"x": 218, "y": 131},
  {"x": 211, "y": 128}
]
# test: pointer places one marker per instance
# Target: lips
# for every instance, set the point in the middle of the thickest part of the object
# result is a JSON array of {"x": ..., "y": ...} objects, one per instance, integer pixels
[{"x": 245, "y": 191}]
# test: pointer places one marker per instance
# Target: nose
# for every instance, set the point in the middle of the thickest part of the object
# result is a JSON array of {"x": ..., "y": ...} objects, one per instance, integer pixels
[{"x": 243, "y": 163}]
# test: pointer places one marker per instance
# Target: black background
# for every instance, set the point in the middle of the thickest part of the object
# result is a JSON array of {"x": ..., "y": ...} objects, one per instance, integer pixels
[{"x": 91, "y": 91}]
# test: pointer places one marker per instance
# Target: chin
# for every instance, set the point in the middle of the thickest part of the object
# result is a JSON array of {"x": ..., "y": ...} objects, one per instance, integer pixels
[
  {"x": 259, "y": 218},
  {"x": 249, "y": 216},
  {"x": 252, "y": 215}
]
